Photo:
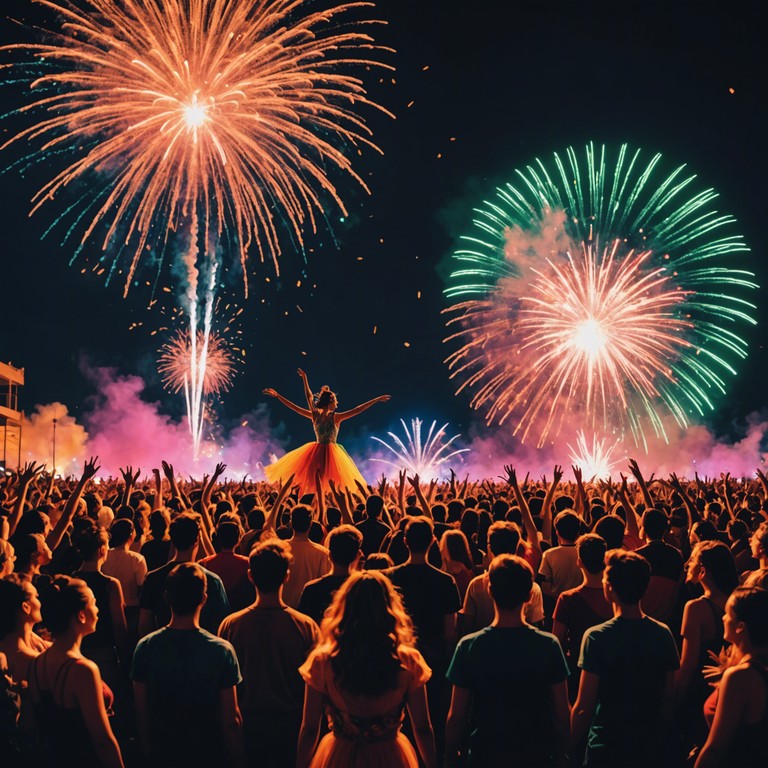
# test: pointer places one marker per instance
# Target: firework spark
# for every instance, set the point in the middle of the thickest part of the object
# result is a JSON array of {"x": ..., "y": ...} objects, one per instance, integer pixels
[
  {"x": 595, "y": 458},
  {"x": 417, "y": 456},
  {"x": 211, "y": 118},
  {"x": 599, "y": 294},
  {"x": 176, "y": 360}
]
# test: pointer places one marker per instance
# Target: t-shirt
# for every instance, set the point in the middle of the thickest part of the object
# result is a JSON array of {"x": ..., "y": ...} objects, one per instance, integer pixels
[
  {"x": 429, "y": 595},
  {"x": 633, "y": 658},
  {"x": 152, "y": 598},
  {"x": 318, "y": 594},
  {"x": 373, "y": 532},
  {"x": 509, "y": 672},
  {"x": 579, "y": 609},
  {"x": 310, "y": 561},
  {"x": 185, "y": 671},
  {"x": 559, "y": 570},
  {"x": 271, "y": 644},
  {"x": 130, "y": 569},
  {"x": 665, "y": 560},
  {"x": 232, "y": 569},
  {"x": 478, "y": 609}
]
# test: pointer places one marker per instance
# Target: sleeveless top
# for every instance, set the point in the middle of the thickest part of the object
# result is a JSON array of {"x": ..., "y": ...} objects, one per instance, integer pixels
[
  {"x": 104, "y": 636},
  {"x": 368, "y": 730},
  {"x": 65, "y": 737},
  {"x": 326, "y": 429}
]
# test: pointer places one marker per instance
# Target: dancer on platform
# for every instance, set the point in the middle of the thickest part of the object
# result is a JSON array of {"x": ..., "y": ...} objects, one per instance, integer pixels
[{"x": 325, "y": 457}]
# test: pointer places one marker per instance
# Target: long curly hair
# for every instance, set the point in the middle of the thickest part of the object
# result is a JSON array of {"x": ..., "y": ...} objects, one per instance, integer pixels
[{"x": 362, "y": 631}]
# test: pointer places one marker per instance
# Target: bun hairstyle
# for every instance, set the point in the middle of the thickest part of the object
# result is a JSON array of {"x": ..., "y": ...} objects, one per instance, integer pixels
[
  {"x": 323, "y": 398},
  {"x": 62, "y": 598},
  {"x": 88, "y": 538}
]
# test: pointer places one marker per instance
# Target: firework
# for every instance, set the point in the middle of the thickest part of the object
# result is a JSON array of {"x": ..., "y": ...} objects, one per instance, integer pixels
[
  {"x": 612, "y": 294},
  {"x": 176, "y": 360},
  {"x": 595, "y": 457},
  {"x": 215, "y": 119},
  {"x": 417, "y": 456}
]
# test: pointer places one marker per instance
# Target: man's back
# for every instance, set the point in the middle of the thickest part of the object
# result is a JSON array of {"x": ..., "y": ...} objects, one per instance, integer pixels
[{"x": 310, "y": 561}]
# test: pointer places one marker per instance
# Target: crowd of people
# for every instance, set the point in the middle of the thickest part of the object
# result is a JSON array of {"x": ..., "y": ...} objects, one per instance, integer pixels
[{"x": 154, "y": 620}]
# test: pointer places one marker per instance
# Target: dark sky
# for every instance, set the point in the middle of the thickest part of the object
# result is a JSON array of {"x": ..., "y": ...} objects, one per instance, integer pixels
[{"x": 491, "y": 85}]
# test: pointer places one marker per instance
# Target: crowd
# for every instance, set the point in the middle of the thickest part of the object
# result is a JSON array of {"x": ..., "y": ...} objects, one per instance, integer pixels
[{"x": 518, "y": 622}]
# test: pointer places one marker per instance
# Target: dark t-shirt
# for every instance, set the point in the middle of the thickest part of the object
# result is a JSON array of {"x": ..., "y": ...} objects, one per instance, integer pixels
[
  {"x": 185, "y": 671},
  {"x": 318, "y": 594},
  {"x": 633, "y": 658},
  {"x": 373, "y": 532},
  {"x": 152, "y": 598},
  {"x": 665, "y": 559},
  {"x": 579, "y": 609},
  {"x": 429, "y": 595},
  {"x": 509, "y": 672}
]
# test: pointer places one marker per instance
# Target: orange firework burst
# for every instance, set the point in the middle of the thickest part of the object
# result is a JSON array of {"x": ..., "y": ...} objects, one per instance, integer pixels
[
  {"x": 218, "y": 116},
  {"x": 211, "y": 358}
]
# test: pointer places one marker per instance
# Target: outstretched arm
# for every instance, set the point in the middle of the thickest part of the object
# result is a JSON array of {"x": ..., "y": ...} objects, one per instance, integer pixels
[
  {"x": 307, "y": 390},
  {"x": 306, "y": 413},
  {"x": 360, "y": 408}
]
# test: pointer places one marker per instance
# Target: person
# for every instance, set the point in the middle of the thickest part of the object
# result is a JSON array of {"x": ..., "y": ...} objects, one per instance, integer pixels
[
  {"x": 372, "y": 527},
  {"x": 310, "y": 560},
  {"x": 153, "y": 609},
  {"x": 585, "y": 606},
  {"x": 325, "y": 457},
  {"x": 364, "y": 673},
  {"x": 271, "y": 641},
  {"x": 19, "y": 614},
  {"x": 559, "y": 570},
  {"x": 712, "y": 567},
  {"x": 457, "y": 559},
  {"x": 230, "y": 567},
  {"x": 156, "y": 550},
  {"x": 627, "y": 674},
  {"x": 509, "y": 683},
  {"x": 184, "y": 682},
  {"x": 478, "y": 611},
  {"x": 345, "y": 552},
  {"x": 737, "y": 732},
  {"x": 70, "y": 700},
  {"x": 759, "y": 544}
]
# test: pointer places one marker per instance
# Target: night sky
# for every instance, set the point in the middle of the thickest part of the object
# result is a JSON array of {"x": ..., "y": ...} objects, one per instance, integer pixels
[{"x": 480, "y": 88}]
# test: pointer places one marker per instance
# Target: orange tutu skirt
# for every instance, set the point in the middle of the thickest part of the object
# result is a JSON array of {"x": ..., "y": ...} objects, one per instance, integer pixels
[{"x": 329, "y": 459}]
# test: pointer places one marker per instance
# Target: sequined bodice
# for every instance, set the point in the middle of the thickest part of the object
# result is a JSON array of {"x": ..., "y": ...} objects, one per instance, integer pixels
[{"x": 326, "y": 429}]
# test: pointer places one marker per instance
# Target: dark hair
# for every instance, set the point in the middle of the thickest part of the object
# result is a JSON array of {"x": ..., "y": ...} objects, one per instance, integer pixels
[
  {"x": 378, "y": 561},
  {"x": 256, "y": 518},
  {"x": 419, "y": 533},
  {"x": 14, "y": 592},
  {"x": 185, "y": 588},
  {"x": 62, "y": 598},
  {"x": 718, "y": 560},
  {"x": 88, "y": 539},
  {"x": 120, "y": 531},
  {"x": 374, "y": 504},
  {"x": 25, "y": 546},
  {"x": 301, "y": 518},
  {"x": 184, "y": 531},
  {"x": 322, "y": 398},
  {"x": 456, "y": 545},
  {"x": 344, "y": 544},
  {"x": 333, "y": 517},
  {"x": 610, "y": 528},
  {"x": 655, "y": 523},
  {"x": 628, "y": 573},
  {"x": 159, "y": 520},
  {"x": 568, "y": 525},
  {"x": 591, "y": 550},
  {"x": 503, "y": 538},
  {"x": 268, "y": 563},
  {"x": 227, "y": 534},
  {"x": 32, "y": 521},
  {"x": 750, "y": 605},
  {"x": 510, "y": 580}
]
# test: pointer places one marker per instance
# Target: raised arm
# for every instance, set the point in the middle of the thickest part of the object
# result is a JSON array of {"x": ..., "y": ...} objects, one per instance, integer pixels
[
  {"x": 55, "y": 536},
  {"x": 546, "y": 508},
  {"x": 26, "y": 476},
  {"x": 307, "y": 390},
  {"x": 531, "y": 533},
  {"x": 360, "y": 408},
  {"x": 271, "y": 519},
  {"x": 306, "y": 413},
  {"x": 426, "y": 510},
  {"x": 634, "y": 468}
]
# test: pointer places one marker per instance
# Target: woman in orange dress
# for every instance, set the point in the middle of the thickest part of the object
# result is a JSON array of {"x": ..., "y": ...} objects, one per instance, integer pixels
[
  {"x": 325, "y": 457},
  {"x": 364, "y": 673}
]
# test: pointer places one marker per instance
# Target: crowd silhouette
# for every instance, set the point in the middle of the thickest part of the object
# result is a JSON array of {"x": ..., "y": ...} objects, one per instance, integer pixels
[{"x": 149, "y": 619}]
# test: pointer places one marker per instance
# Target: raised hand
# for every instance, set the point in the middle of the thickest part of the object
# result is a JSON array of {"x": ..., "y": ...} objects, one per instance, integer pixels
[
  {"x": 129, "y": 476},
  {"x": 269, "y": 391},
  {"x": 91, "y": 467},
  {"x": 219, "y": 471},
  {"x": 168, "y": 470},
  {"x": 557, "y": 474},
  {"x": 383, "y": 398},
  {"x": 577, "y": 473},
  {"x": 302, "y": 374},
  {"x": 634, "y": 468},
  {"x": 30, "y": 471}
]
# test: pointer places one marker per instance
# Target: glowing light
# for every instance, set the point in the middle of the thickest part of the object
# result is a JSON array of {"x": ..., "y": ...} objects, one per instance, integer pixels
[
  {"x": 596, "y": 458},
  {"x": 418, "y": 456},
  {"x": 606, "y": 293},
  {"x": 176, "y": 361},
  {"x": 169, "y": 110}
]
